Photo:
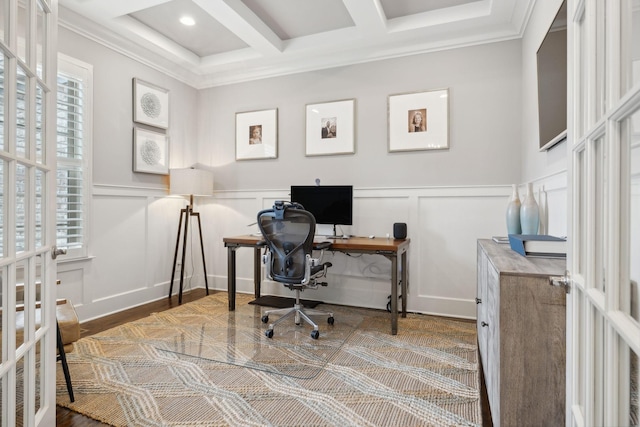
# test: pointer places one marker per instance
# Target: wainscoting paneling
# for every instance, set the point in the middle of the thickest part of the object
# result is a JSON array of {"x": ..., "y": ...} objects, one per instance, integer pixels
[
  {"x": 443, "y": 225},
  {"x": 449, "y": 228},
  {"x": 134, "y": 236},
  {"x": 120, "y": 248}
]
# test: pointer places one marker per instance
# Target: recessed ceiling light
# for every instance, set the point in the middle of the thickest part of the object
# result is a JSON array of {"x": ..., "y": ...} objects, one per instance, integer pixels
[{"x": 187, "y": 20}]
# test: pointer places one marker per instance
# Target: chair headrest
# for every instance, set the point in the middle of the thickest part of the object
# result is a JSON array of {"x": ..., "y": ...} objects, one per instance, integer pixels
[{"x": 280, "y": 206}]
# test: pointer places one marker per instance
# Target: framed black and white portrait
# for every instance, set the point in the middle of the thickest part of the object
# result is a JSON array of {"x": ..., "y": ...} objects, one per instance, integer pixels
[
  {"x": 330, "y": 128},
  {"x": 419, "y": 121},
  {"x": 257, "y": 135}
]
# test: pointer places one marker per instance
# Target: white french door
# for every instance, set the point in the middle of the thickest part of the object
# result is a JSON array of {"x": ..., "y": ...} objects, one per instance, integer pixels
[
  {"x": 27, "y": 211},
  {"x": 603, "y": 322}
]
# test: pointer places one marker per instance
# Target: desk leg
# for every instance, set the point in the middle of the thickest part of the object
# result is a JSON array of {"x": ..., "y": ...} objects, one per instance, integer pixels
[
  {"x": 257, "y": 272},
  {"x": 394, "y": 295},
  {"x": 231, "y": 277},
  {"x": 404, "y": 277}
]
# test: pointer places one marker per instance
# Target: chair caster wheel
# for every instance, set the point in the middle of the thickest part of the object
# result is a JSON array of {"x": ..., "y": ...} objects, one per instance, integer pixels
[
  {"x": 269, "y": 333},
  {"x": 330, "y": 320},
  {"x": 265, "y": 319},
  {"x": 315, "y": 334}
]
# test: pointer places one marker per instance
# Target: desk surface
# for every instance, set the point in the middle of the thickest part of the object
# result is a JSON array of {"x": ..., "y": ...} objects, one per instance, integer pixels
[{"x": 350, "y": 244}]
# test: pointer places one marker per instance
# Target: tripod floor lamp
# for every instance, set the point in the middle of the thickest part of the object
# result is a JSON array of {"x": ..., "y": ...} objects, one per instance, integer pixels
[{"x": 188, "y": 182}]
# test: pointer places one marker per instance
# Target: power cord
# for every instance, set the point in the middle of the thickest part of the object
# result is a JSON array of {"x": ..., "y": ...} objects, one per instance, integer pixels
[{"x": 389, "y": 299}]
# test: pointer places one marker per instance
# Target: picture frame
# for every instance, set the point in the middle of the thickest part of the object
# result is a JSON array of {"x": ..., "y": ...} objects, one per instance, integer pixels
[
  {"x": 330, "y": 128},
  {"x": 150, "y": 151},
  {"x": 150, "y": 104},
  {"x": 257, "y": 135},
  {"x": 419, "y": 121}
]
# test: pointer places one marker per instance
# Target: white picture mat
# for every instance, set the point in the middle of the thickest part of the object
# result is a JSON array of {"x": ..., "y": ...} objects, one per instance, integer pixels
[
  {"x": 268, "y": 149},
  {"x": 141, "y": 89},
  {"x": 151, "y": 152},
  {"x": 436, "y": 135},
  {"x": 344, "y": 142}
]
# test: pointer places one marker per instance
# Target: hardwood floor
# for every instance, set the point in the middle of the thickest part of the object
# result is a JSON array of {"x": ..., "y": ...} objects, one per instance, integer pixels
[{"x": 66, "y": 417}]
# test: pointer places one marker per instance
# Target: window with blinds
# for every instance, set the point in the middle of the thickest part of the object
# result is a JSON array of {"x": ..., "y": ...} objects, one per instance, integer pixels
[{"x": 73, "y": 145}]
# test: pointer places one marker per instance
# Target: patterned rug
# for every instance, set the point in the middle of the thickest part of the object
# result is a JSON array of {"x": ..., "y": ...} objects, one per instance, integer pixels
[{"x": 200, "y": 365}]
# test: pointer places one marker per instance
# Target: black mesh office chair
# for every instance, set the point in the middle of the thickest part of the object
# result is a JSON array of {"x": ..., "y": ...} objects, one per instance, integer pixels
[{"x": 288, "y": 232}]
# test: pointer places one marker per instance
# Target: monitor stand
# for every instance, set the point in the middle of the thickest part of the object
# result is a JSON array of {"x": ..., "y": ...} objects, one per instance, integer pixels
[{"x": 335, "y": 235}]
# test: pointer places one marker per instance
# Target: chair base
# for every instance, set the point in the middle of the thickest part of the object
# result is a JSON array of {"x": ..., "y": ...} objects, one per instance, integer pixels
[{"x": 299, "y": 313}]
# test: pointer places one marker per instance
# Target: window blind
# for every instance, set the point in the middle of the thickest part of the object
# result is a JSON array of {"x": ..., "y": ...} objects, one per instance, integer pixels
[{"x": 70, "y": 200}]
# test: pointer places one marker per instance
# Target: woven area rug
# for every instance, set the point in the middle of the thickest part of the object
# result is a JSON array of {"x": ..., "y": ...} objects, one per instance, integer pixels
[{"x": 149, "y": 372}]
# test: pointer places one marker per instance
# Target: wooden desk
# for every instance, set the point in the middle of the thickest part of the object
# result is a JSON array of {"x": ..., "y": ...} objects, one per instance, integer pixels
[{"x": 389, "y": 248}]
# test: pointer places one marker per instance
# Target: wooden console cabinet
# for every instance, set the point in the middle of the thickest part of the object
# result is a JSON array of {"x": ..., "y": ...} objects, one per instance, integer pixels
[{"x": 521, "y": 336}]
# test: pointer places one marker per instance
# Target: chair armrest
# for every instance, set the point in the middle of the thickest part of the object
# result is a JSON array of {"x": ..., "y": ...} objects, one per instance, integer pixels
[{"x": 322, "y": 245}]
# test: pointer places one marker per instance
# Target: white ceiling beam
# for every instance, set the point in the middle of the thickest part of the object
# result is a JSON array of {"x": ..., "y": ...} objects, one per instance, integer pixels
[
  {"x": 464, "y": 12},
  {"x": 110, "y": 8},
  {"x": 241, "y": 21},
  {"x": 368, "y": 16},
  {"x": 166, "y": 45}
]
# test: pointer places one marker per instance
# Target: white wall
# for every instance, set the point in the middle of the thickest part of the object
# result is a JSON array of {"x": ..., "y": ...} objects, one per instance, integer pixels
[
  {"x": 485, "y": 122},
  {"x": 448, "y": 198}
]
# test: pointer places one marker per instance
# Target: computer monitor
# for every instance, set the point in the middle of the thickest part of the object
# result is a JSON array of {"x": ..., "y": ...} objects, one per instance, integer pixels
[{"x": 329, "y": 204}]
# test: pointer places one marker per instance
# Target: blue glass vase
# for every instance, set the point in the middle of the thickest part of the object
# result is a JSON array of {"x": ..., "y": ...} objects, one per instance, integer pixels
[
  {"x": 513, "y": 212},
  {"x": 529, "y": 213}
]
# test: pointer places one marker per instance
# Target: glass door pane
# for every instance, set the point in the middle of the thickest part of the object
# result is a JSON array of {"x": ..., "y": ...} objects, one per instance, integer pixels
[
  {"x": 633, "y": 389},
  {"x": 3, "y": 317},
  {"x": 598, "y": 369},
  {"x": 581, "y": 214},
  {"x": 581, "y": 84},
  {"x": 22, "y": 279},
  {"x": 630, "y": 292},
  {"x": 40, "y": 39},
  {"x": 580, "y": 366},
  {"x": 3, "y": 108},
  {"x": 22, "y": 186},
  {"x": 39, "y": 124},
  {"x": 631, "y": 48},
  {"x": 600, "y": 213},
  {"x": 4, "y": 17},
  {"x": 23, "y": 29},
  {"x": 3, "y": 226},
  {"x": 40, "y": 373},
  {"x": 601, "y": 69},
  {"x": 21, "y": 113},
  {"x": 39, "y": 209}
]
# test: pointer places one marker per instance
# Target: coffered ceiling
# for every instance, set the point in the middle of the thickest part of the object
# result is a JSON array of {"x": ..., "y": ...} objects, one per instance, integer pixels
[{"x": 240, "y": 40}]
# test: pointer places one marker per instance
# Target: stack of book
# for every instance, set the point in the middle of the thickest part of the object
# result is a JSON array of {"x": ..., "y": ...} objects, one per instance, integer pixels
[{"x": 539, "y": 245}]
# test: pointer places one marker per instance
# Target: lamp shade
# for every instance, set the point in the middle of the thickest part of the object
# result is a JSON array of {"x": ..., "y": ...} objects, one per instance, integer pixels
[{"x": 188, "y": 181}]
